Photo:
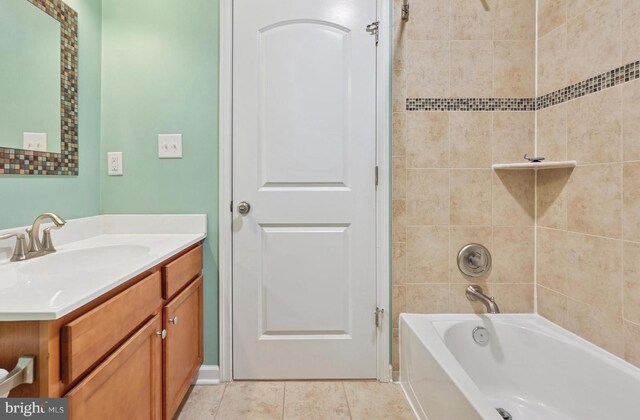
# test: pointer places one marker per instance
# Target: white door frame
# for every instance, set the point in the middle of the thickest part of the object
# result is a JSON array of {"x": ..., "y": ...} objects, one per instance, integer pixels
[{"x": 383, "y": 199}]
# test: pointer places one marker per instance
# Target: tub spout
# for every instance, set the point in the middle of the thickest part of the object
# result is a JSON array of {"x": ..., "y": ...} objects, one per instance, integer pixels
[{"x": 474, "y": 293}]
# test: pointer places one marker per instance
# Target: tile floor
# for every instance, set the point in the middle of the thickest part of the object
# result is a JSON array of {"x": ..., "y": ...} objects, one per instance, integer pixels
[{"x": 297, "y": 400}]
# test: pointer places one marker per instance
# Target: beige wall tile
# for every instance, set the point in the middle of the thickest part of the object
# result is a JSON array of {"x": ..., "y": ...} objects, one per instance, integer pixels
[
  {"x": 551, "y": 14},
  {"x": 513, "y": 255},
  {"x": 399, "y": 47},
  {"x": 631, "y": 291},
  {"x": 398, "y": 303},
  {"x": 513, "y": 136},
  {"x": 594, "y": 272},
  {"x": 399, "y": 221},
  {"x": 511, "y": 298},
  {"x": 632, "y": 343},
  {"x": 631, "y": 117},
  {"x": 398, "y": 263},
  {"x": 513, "y": 69},
  {"x": 593, "y": 40},
  {"x": 594, "y": 203},
  {"x": 551, "y": 260},
  {"x": 513, "y": 198},
  {"x": 427, "y": 254},
  {"x": 470, "y": 139},
  {"x": 594, "y": 127},
  {"x": 429, "y": 20},
  {"x": 427, "y": 139},
  {"x": 471, "y": 69},
  {"x": 461, "y": 236},
  {"x": 514, "y": 19},
  {"x": 631, "y": 203},
  {"x": 395, "y": 352},
  {"x": 552, "y": 198},
  {"x": 427, "y": 196},
  {"x": 427, "y": 298},
  {"x": 470, "y": 20},
  {"x": 428, "y": 69},
  {"x": 315, "y": 400},
  {"x": 470, "y": 196},
  {"x": 552, "y": 305},
  {"x": 399, "y": 90},
  {"x": 576, "y": 7},
  {"x": 399, "y": 133},
  {"x": 630, "y": 33},
  {"x": 600, "y": 329},
  {"x": 552, "y": 61},
  {"x": 399, "y": 174},
  {"x": 552, "y": 132}
]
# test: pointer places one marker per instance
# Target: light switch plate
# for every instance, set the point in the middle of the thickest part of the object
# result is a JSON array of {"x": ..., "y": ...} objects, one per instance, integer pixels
[
  {"x": 170, "y": 146},
  {"x": 114, "y": 164},
  {"x": 34, "y": 141}
]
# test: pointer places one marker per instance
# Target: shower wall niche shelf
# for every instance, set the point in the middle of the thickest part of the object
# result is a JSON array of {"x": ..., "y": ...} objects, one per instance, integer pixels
[{"x": 535, "y": 165}]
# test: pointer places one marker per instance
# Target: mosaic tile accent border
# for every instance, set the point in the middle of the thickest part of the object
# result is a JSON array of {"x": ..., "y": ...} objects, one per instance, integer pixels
[
  {"x": 595, "y": 84},
  {"x": 471, "y": 104},
  {"x": 622, "y": 74},
  {"x": 27, "y": 162}
]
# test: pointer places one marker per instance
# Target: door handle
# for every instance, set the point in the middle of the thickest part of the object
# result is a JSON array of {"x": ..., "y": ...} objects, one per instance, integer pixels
[
  {"x": 173, "y": 320},
  {"x": 244, "y": 207}
]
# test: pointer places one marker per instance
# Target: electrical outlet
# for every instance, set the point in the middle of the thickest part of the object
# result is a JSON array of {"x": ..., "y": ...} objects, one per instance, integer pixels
[
  {"x": 114, "y": 164},
  {"x": 170, "y": 146},
  {"x": 34, "y": 141}
]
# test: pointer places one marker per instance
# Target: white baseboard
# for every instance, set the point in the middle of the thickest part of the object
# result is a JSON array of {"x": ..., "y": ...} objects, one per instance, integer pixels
[{"x": 208, "y": 375}]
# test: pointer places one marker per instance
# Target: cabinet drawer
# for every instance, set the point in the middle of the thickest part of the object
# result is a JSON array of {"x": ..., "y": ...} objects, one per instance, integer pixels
[
  {"x": 88, "y": 338},
  {"x": 127, "y": 385},
  {"x": 181, "y": 271}
]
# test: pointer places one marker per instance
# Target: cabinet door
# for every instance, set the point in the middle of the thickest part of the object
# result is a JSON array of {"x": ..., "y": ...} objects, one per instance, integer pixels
[
  {"x": 183, "y": 345},
  {"x": 128, "y": 384}
]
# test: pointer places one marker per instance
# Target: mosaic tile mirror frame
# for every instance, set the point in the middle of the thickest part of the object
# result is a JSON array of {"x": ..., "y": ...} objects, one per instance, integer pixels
[{"x": 28, "y": 162}]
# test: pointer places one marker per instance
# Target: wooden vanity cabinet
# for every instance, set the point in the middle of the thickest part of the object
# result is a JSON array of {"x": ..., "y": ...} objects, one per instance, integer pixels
[{"x": 130, "y": 353}]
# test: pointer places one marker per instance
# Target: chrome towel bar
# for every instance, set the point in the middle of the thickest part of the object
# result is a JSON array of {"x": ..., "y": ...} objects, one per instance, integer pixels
[{"x": 23, "y": 373}]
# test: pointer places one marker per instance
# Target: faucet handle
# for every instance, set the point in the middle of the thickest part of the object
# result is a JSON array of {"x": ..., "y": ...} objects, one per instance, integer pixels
[
  {"x": 19, "y": 252},
  {"x": 47, "y": 242}
]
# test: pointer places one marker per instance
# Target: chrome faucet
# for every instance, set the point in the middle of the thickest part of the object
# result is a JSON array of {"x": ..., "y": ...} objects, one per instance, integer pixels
[
  {"x": 474, "y": 293},
  {"x": 32, "y": 246},
  {"x": 46, "y": 245}
]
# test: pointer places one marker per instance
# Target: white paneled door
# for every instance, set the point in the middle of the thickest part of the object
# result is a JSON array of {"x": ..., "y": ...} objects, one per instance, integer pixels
[{"x": 304, "y": 153}]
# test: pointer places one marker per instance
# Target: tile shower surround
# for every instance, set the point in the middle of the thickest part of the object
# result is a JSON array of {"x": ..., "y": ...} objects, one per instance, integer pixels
[
  {"x": 615, "y": 77},
  {"x": 584, "y": 111}
]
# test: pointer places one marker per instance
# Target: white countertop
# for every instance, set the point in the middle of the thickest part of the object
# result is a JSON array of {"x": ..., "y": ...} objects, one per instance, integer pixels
[{"x": 94, "y": 256}]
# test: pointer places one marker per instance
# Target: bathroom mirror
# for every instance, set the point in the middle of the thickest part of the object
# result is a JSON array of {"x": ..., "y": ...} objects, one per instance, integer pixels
[{"x": 38, "y": 88}]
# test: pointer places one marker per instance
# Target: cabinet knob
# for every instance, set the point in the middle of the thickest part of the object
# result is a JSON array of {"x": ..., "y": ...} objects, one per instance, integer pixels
[
  {"x": 162, "y": 334},
  {"x": 173, "y": 320}
]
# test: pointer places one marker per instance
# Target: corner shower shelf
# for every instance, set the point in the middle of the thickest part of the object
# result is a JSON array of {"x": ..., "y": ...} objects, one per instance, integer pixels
[{"x": 535, "y": 165}]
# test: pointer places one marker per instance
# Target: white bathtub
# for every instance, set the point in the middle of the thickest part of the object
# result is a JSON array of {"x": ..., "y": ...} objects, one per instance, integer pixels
[{"x": 530, "y": 367}]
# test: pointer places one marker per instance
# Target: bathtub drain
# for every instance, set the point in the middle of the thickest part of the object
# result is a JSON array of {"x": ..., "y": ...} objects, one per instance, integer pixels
[{"x": 504, "y": 413}]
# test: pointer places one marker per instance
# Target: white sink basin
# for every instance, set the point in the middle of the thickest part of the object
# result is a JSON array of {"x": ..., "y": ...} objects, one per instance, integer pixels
[{"x": 83, "y": 260}]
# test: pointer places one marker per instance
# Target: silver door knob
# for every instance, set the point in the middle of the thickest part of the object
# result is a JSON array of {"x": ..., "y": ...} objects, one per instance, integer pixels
[
  {"x": 173, "y": 320},
  {"x": 244, "y": 207},
  {"x": 162, "y": 334}
]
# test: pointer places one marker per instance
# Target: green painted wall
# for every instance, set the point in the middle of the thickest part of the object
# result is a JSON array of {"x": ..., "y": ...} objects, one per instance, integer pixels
[
  {"x": 160, "y": 76},
  {"x": 29, "y": 74},
  {"x": 22, "y": 198}
]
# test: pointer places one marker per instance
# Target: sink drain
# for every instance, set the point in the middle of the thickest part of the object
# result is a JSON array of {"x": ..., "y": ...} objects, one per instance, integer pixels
[{"x": 504, "y": 413}]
